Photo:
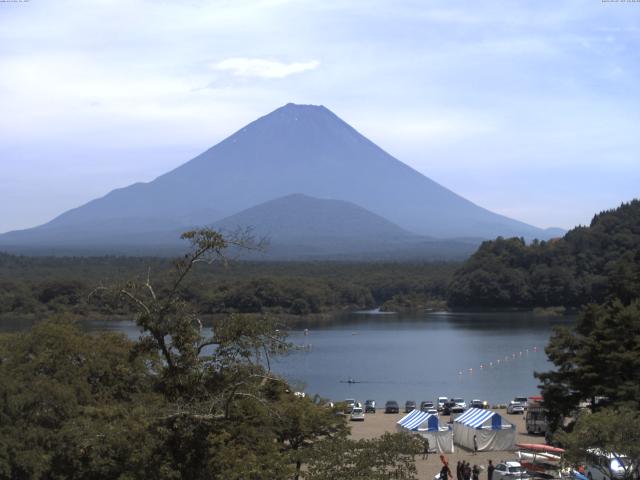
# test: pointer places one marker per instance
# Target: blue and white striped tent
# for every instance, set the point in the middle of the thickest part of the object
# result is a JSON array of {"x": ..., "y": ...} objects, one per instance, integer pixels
[
  {"x": 428, "y": 426},
  {"x": 492, "y": 432},
  {"x": 477, "y": 418},
  {"x": 417, "y": 420}
]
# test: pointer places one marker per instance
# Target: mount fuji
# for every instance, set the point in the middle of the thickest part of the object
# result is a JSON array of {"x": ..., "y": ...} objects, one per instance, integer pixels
[{"x": 296, "y": 152}]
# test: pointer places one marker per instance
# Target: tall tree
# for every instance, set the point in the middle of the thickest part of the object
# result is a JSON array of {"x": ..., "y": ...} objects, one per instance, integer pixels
[
  {"x": 599, "y": 358},
  {"x": 72, "y": 405},
  {"x": 609, "y": 432},
  {"x": 388, "y": 457},
  {"x": 301, "y": 422}
]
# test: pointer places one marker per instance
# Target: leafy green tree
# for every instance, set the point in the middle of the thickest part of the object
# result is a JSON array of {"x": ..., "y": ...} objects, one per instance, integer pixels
[
  {"x": 221, "y": 383},
  {"x": 71, "y": 404},
  {"x": 607, "y": 431},
  {"x": 390, "y": 456},
  {"x": 599, "y": 358},
  {"x": 302, "y": 422}
]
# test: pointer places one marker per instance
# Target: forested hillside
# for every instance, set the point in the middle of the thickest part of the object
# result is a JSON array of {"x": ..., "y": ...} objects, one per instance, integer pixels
[
  {"x": 589, "y": 264},
  {"x": 35, "y": 287}
]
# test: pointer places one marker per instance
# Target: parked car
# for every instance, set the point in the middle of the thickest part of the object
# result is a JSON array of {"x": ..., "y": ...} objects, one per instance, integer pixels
[
  {"x": 409, "y": 406},
  {"x": 459, "y": 405},
  {"x": 477, "y": 404},
  {"x": 391, "y": 407},
  {"x": 509, "y": 471},
  {"x": 426, "y": 405},
  {"x": 440, "y": 403},
  {"x": 448, "y": 406},
  {"x": 516, "y": 405},
  {"x": 433, "y": 411},
  {"x": 357, "y": 414},
  {"x": 370, "y": 406},
  {"x": 604, "y": 466},
  {"x": 349, "y": 404},
  {"x": 521, "y": 400}
]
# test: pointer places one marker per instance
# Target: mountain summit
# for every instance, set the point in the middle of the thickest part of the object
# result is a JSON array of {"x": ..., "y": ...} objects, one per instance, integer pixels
[{"x": 303, "y": 149}]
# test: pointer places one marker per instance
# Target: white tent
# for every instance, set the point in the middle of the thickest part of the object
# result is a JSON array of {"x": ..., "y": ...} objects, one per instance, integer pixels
[
  {"x": 428, "y": 426},
  {"x": 492, "y": 432}
]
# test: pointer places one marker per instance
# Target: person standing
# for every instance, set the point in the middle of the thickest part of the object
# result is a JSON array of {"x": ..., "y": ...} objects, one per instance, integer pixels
[
  {"x": 490, "y": 469},
  {"x": 459, "y": 471},
  {"x": 425, "y": 452},
  {"x": 475, "y": 445},
  {"x": 466, "y": 472},
  {"x": 475, "y": 473},
  {"x": 445, "y": 473}
]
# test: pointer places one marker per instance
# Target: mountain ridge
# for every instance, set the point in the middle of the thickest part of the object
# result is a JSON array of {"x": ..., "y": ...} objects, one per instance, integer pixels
[
  {"x": 281, "y": 218},
  {"x": 298, "y": 226},
  {"x": 294, "y": 149}
]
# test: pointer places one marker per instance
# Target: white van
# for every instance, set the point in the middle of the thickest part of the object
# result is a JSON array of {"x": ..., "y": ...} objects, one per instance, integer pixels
[{"x": 605, "y": 466}]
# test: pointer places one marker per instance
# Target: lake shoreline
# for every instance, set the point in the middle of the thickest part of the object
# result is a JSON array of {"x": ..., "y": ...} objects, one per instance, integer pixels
[
  {"x": 288, "y": 320},
  {"x": 491, "y": 356}
]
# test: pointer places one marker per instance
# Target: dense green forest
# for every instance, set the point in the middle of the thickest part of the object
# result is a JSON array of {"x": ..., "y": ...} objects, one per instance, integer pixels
[
  {"x": 31, "y": 287},
  {"x": 588, "y": 265}
]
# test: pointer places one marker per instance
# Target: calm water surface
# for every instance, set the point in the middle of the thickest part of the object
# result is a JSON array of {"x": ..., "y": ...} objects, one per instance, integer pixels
[{"x": 490, "y": 356}]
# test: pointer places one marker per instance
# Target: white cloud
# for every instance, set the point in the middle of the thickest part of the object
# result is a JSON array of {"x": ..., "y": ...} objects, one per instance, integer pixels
[{"x": 258, "y": 67}]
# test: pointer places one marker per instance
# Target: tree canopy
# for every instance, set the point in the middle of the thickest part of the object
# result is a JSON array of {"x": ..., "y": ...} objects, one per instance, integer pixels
[
  {"x": 34, "y": 287},
  {"x": 600, "y": 357},
  {"x": 609, "y": 431},
  {"x": 385, "y": 458},
  {"x": 181, "y": 402},
  {"x": 588, "y": 265}
]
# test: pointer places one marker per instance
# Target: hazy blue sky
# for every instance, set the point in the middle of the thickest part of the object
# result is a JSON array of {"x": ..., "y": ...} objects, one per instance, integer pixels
[{"x": 531, "y": 109}]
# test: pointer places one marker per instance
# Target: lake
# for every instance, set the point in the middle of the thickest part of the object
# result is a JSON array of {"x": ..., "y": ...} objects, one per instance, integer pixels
[{"x": 489, "y": 356}]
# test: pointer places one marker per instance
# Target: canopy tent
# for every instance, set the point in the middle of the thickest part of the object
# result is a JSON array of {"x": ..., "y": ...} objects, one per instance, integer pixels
[
  {"x": 428, "y": 426},
  {"x": 492, "y": 432}
]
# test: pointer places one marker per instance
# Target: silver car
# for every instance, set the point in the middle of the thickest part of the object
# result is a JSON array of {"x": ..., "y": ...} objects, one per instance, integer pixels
[
  {"x": 605, "y": 466},
  {"x": 509, "y": 471},
  {"x": 357, "y": 414}
]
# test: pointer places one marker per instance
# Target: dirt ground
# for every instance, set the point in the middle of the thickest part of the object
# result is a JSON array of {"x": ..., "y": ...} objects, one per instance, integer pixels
[{"x": 376, "y": 425}]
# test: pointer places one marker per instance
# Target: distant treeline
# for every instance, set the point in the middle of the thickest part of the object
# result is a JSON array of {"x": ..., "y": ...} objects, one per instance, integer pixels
[
  {"x": 588, "y": 265},
  {"x": 39, "y": 286}
]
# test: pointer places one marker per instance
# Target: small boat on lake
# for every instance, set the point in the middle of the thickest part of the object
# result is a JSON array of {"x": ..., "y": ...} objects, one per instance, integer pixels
[{"x": 350, "y": 380}]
